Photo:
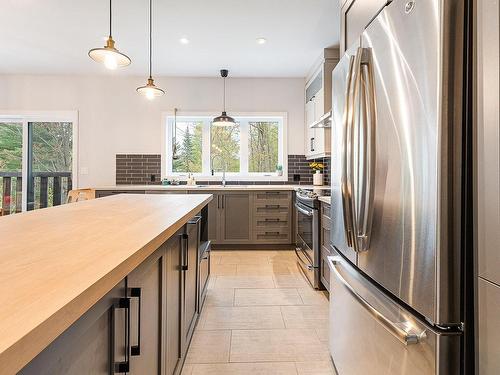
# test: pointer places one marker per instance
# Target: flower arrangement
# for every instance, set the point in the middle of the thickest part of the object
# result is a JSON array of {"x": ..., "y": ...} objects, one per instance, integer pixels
[{"x": 317, "y": 167}]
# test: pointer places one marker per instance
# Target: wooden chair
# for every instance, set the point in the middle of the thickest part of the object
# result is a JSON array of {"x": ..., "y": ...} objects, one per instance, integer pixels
[{"x": 80, "y": 195}]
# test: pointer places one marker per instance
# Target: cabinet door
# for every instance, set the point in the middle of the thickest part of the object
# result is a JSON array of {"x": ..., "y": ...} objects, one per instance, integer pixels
[
  {"x": 489, "y": 327},
  {"x": 190, "y": 260},
  {"x": 92, "y": 345},
  {"x": 213, "y": 215},
  {"x": 145, "y": 292},
  {"x": 319, "y": 104},
  {"x": 173, "y": 348},
  {"x": 235, "y": 217}
]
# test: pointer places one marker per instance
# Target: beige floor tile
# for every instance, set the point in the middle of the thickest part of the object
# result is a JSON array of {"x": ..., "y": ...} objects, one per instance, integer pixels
[
  {"x": 275, "y": 368},
  {"x": 187, "y": 369},
  {"x": 214, "y": 258},
  {"x": 313, "y": 297},
  {"x": 315, "y": 368},
  {"x": 223, "y": 269},
  {"x": 209, "y": 347},
  {"x": 226, "y": 282},
  {"x": 247, "y": 317},
  {"x": 305, "y": 316},
  {"x": 290, "y": 281},
  {"x": 244, "y": 259},
  {"x": 277, "y": 345},
  {"x": 266, "y": 297},
  {"x": 262, "y": 269},
  {"x": 220, "y": 297},
  {"x": 323, "y": 334},
  {"x": 211, "y": 282}
]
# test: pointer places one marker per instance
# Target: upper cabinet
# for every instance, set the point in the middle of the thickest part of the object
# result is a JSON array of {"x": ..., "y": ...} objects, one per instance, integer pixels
[
  {"x": 355, "y": 15},
  {"x": 318, "y": 97}
]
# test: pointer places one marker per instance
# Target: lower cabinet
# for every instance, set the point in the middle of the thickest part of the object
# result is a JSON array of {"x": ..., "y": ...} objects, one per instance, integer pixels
[
  {"x": 95, "y": 344},
  {"x": 142, "y": 326}
]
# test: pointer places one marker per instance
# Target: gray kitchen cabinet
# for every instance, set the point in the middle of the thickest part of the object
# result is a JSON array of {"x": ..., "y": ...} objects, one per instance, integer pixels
[
  {"x": 272, "y": 217},
  {"x": 489, "y": 327},
  {"x": 235, "y": 218},
  {"x": 189, "y": 279},
  {"x": 144, "y": 288},
  {"x": 355, "y": 15},
  {"x": 325, "y": 245},
  {"x": 95, "y": 344},
  {"x": 213, "y": 215},
  {"x": 142, "y": 326},
  {"x": 173, "y": 288}
]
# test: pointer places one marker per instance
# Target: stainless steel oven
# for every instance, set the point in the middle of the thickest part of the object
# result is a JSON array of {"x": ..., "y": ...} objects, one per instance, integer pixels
[{"x": 307, "y": 236}]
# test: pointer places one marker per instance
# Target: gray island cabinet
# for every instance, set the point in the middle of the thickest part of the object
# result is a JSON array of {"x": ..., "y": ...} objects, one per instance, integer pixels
[{"x": 144, "y": 318}]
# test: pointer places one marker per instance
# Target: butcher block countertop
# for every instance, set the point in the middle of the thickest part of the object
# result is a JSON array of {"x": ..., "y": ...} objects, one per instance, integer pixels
[{"x": 56, "y": 263}]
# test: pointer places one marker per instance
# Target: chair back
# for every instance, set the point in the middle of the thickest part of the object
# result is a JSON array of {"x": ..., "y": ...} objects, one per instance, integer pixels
[{"x": 80, "y": 195}]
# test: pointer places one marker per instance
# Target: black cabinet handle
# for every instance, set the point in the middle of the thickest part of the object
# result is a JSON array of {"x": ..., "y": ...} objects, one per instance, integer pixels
[
  {"x": 185, "y": 256},
  {"x": 272, "y": 233},
  {"x": 121, "y": 367},
  {"x": 312, "y": 144},
  {"x": 135, "y": 350},
  {"x": 273, "y": 206},
  {"x": 273, "y": 220}
]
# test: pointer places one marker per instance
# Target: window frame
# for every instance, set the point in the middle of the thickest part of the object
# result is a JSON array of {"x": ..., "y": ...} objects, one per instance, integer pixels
[
  {"x": 26, "y": 117},
  {"x": 167, "y": 137}
]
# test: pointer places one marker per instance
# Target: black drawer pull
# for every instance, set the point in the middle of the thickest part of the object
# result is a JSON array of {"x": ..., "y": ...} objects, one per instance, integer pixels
[
  {"x": 273, "y": 206},
  {"x": 135, "y": 350},
  {"x": 272, "y": 220},
  {"x": 272, "y": 233}
]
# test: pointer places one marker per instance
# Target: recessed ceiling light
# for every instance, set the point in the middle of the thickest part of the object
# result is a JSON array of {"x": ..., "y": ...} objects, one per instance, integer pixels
[
  {"x": 261, "y": 40},
  {"x": 184, "y": 40}
]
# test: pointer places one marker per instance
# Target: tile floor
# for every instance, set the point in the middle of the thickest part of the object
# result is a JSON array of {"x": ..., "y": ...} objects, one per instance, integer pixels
[{"x": 260, "y": 318}]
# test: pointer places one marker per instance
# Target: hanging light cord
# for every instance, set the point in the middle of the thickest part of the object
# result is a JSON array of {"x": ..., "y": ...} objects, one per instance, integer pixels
[
  {"x": 110, "y": 18},
  {"x": 224, "y": 96},
  {"x": 150, "y": 35}
]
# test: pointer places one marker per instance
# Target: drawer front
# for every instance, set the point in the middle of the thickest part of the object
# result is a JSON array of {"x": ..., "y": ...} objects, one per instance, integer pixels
[
  {"x": 272, "y": 235},
  {"x": 273, "y": 196},
  {"x": 271, "y": 209},
  {"x": 272, "y": 221},
  {"x": 325, "y": 237}
]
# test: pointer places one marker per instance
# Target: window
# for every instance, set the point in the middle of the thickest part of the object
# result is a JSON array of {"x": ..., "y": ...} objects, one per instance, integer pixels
[
  {"x": 255, "y": 146},
  {"x": 37, "y": 160}
]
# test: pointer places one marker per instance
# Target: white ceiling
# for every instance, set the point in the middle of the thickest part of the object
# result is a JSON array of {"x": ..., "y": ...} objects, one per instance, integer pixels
[{"x": 53, "y": 36}]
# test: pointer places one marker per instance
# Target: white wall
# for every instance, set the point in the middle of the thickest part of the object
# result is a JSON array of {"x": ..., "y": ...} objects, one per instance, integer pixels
[{"x": 113, "y": 118}]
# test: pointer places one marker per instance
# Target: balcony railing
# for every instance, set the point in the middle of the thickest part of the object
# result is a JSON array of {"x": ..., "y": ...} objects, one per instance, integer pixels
[{"x": 44, "y": 190}]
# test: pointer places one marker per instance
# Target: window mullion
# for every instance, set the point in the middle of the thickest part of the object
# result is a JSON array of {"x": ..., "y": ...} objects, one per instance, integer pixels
[
  {"x": 244, "y": 128},
  {"x": 205, "y": 146}
]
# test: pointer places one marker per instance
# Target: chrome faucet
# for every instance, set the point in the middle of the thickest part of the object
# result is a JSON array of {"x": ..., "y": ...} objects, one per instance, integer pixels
[{"x": 224, "y": 167}]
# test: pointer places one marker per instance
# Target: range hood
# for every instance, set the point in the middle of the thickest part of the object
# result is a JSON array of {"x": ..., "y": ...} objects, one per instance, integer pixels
[{"x": 324, "y": 121}]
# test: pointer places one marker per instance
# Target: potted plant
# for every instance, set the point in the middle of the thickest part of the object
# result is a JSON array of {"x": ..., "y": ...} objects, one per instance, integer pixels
[
  {"x": 279, "y": 170},
  {"x": 318, "y": 172}
]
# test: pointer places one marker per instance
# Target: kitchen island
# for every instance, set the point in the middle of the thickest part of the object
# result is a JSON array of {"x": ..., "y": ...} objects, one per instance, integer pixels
[{"x": 65, "y": 278}]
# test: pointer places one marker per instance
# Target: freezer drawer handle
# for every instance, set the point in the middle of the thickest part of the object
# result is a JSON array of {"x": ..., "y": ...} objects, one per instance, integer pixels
[{"x": 397, "y": 329}]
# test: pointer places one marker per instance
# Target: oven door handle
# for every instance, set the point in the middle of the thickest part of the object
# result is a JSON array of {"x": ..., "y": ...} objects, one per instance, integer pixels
[
  {"x": 298, "y": 250},
  {"x": 301, "y": 210}
]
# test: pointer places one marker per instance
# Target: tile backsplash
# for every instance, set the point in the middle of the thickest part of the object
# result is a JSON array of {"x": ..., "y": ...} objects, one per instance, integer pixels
[{"x": 145, "y": 169}]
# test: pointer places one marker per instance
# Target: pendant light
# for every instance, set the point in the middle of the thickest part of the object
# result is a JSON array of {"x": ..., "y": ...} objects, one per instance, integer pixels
[
  {"x": 109, "y": 55},
  {"x": 150, "y": 90},
  {"x": 224, "y": 119}
]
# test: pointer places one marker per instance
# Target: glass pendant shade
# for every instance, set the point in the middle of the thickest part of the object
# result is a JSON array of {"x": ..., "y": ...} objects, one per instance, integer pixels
[
  {"x": 109, "y": 56},
  {"x": 150, "y": 91},
  {"x": 223, "y": 120}
]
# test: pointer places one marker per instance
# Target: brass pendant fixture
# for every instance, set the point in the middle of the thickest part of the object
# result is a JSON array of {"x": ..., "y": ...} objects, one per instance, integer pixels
[
  {"x": 150, "y": 90},
  {"x": 224, "y": 119},
  {"x": 109, "y": 55}
]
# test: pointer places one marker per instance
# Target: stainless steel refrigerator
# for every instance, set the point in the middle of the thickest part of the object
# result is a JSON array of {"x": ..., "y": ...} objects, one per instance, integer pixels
[{"x": 396, "y": 282}]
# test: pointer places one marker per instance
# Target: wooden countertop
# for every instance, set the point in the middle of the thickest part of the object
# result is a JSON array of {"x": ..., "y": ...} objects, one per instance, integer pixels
[{"x": 56, "y": 263}]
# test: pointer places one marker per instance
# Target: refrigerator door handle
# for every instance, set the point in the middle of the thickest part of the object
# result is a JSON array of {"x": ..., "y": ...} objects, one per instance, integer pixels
[
  {"x": 400, "y": 330},
  {"x": 368, "y": 150},
  {"x": 345, "y": 153}
]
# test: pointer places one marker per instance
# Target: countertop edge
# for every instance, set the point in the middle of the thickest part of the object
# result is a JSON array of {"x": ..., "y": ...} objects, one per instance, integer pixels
[{"x": 19, "y": 354}]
